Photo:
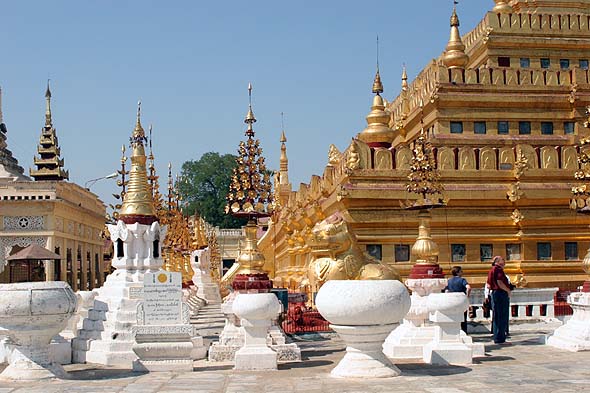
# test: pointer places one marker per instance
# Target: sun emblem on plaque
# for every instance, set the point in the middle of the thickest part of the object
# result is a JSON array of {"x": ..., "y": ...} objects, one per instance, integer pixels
[{"x": 162, "y": 278}]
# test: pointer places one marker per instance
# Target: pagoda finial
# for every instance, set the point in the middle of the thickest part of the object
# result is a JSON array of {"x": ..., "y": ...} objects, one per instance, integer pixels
[
  {"x": 138, "y": 128},
  {"x": 284, "y": 161},
  {"x": 404, "y": 78},
  {"x": 377, "y": 85},
  {"x": 454, "y": 56},
  {"x": 250, "y": 119},
  {"x": 378, "y": 133},
  {"x": 48, "y": 120},
  {"x": 138, "y": 203}
]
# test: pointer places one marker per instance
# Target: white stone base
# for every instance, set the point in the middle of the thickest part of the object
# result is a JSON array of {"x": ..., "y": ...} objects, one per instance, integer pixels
[
  {"x": 407, "y": 341},
  {"x": 60, "y": 350},
  {"x": 199, "y": 350},
  {"x": 33, "y": 372},
  {"x": 478, "y": 350},
  {"x": 364, "y": 357},
  {"x": 31, "y": 364},
  {"x": 444, "y": 354},
  {"x": 574, "y": 336},
  {"x": 179, "y": 365},
  {"x": 255, "y": 359},
  {"x": 163, "y": 347}
]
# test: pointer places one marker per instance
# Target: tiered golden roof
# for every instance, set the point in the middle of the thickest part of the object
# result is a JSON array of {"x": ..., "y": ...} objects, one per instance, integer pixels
[
  {"x": 138, "y": 205},
  {"x": 49, "y": 164}
]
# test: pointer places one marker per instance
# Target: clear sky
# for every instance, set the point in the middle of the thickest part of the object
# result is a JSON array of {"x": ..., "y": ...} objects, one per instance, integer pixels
[{"x": 190, "y": 63}]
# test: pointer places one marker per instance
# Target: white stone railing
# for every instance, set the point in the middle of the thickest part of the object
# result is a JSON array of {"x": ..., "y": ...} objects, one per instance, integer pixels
[
  {"x": 231, "y": 233},
  {"x": 526, "y": 304}
]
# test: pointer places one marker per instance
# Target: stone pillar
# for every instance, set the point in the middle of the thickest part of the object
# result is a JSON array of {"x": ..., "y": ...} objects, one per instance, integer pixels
[
  {"x": 84, "y": 266},
  {"x": 92, "y": 267},
  {"x": 50, "y": 264},
  {"x": 75, "y": 287},
  {"x": 64, "y": 263}
]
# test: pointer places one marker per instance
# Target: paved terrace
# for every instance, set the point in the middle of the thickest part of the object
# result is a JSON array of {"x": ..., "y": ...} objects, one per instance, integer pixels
[{"x": 527, "y": 366}]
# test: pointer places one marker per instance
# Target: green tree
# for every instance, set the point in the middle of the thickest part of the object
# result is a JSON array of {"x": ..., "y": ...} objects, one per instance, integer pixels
[{"x": 204, "y": 188}]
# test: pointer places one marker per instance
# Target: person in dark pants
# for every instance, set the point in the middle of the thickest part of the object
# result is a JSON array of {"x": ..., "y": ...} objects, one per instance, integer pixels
[
  {"x": 458, "y": 284},
  {"x": 500, "y": 287}
]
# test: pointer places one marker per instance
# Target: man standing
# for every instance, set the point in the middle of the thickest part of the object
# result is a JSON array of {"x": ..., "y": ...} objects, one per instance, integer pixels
[
  {"x": 458, "y": 284},
  {"x": 500, "y": 287}
]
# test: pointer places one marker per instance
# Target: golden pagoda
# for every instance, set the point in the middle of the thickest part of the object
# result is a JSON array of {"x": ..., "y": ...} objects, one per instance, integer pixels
[
  {"x": 49, "y": 164},
  {"x": 250, "y": 195},
  {"x": 138, "y": 205},
  {"x": 507, "y": 165}
]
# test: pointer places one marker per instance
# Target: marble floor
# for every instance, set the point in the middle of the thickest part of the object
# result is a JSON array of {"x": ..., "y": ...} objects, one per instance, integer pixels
[{"x": 526, "y": 366}]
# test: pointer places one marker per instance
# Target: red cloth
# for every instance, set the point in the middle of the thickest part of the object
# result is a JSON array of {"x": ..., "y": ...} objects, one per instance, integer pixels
[{"x": 497, "y": 274}]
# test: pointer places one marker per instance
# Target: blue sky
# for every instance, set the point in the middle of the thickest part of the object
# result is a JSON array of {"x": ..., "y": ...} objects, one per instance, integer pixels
[{"x": 190, "y": 63}]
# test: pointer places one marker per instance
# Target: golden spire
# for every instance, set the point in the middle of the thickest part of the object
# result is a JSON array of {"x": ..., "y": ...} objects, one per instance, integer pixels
[
  {"x": 48, "y": 120},
  {"x": 502, "y": 7},
  {"x": 284, "y": 162},
  {"x": 454, "y": 56},
  {"x": 404, "y": 78},
  {"x": 138, "y": 204},
  {"x": 250, "y": 119},
  {"x": 378, "y": 133}
]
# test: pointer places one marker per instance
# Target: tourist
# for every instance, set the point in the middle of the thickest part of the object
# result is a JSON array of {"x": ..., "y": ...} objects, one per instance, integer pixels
[
  {"x": 500, "y": 287},
  {"x": 458, "y": 284}
]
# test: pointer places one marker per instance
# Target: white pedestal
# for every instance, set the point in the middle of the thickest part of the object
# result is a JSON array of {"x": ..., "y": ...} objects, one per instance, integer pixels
[
  {"x": 257, "y": 311},
  {"x": 574, "y": 336},
  {"x": 255, "y": 355},
  {"x": 163, "y": 348},
  {"x": 408, "y": 340},
  {"x": 32, "y": 314},
  {"x": 446, "y": 312},
  {"x": 364, "y": 357}
]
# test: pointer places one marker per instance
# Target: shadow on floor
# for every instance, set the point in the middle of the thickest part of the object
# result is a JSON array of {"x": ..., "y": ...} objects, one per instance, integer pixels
[
  {"x": 323, "y": 352},
  {"x": 425, "y": 369},
  {"x": 224, "y": 367},
  {"x": 97, "y": 374},
  {"x": 305, "y": 364},
  {"x": 492, "y": 358}
]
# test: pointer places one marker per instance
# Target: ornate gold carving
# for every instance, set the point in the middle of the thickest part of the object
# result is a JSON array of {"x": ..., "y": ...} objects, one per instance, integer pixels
[
  {"x": 517, "y": 217},
  {"x": 353, "y": 160},
  {"x": 515, "y": 193}
]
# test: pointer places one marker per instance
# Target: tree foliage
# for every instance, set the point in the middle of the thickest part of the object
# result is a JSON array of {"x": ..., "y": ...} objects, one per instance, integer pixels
[{"x": 204, "y": 188}]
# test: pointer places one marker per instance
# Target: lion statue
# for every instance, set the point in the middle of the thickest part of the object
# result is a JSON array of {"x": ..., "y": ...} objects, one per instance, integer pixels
[{"x": 336, "y": 255}]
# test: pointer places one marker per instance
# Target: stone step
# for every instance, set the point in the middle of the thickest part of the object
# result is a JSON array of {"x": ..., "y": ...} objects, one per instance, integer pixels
[{"x": 111, "y": 346}]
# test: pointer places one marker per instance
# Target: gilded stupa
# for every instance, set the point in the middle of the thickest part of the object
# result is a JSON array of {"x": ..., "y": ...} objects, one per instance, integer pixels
[
  {"x": 49, "y": 163},
  {"x": 138, "y": 204},
  {"x": 507, "y": 166}
]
